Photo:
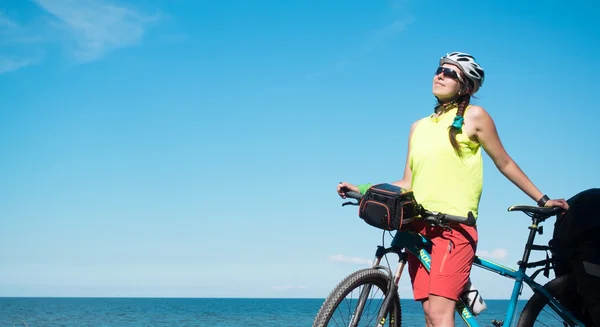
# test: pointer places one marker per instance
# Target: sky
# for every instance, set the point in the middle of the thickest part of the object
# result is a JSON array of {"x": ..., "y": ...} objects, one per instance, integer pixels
[{"x": 193, "y": 148}]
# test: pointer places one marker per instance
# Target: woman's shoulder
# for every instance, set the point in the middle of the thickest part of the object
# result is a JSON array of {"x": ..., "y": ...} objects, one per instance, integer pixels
[
  {"x": 477, "y": 115},
  {"x": 475, "y": 111},
  {"x": 416, "y": 123}
]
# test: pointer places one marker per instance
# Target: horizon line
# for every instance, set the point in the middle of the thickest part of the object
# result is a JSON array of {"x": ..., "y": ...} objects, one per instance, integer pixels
[{"x": 206, "y": 298}]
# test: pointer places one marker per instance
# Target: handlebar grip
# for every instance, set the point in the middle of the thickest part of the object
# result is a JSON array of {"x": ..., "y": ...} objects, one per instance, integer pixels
[
  {"x": 469, "y": 220},
  {"x": 354, "y": 195}
]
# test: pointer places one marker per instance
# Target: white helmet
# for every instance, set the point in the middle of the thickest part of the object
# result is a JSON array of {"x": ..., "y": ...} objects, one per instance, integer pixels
[{"x": 468, "y": 66}]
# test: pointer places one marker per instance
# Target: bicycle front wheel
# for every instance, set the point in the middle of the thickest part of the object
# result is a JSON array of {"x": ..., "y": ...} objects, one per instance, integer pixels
[{"x": 338, "y": 310}]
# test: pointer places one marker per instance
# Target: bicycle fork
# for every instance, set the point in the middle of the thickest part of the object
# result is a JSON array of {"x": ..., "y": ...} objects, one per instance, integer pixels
[{"x": 388, "y": 301}]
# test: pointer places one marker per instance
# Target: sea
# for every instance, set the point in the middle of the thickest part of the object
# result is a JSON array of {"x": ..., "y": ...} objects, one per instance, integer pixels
[{"x": 213, "y": 312}]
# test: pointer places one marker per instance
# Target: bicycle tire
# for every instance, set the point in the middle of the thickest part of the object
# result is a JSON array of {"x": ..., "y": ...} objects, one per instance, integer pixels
[
  {"x": 358, "y": 278},
  {"x": 537, "y": 302}
]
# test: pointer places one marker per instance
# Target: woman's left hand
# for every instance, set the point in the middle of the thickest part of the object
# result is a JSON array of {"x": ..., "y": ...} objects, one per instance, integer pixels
[{"x": 557, "y": 203}]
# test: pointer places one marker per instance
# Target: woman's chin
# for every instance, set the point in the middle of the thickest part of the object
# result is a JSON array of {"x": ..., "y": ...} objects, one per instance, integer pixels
[{"x": 442, "y": 96}]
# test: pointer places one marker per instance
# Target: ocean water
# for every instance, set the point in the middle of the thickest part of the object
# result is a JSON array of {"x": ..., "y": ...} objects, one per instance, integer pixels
[{"x": 137, "y": 312}]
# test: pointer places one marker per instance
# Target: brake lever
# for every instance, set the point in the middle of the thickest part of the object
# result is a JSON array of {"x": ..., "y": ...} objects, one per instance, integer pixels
[
  {"x": 445, "y": 227},
  {"x": 350, "y": 203},
  {"x": 440, "y": 221}
]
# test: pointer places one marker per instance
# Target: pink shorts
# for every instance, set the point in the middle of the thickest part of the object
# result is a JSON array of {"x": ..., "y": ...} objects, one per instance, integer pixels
[{"x": 451, "y": 259}]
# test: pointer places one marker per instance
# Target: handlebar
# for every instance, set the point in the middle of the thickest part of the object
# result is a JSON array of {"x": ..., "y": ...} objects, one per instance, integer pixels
[
  {"x": 354, "y": 195},
  {"x": 432, "y": 216},
  {"x": 469, "y": 220}
]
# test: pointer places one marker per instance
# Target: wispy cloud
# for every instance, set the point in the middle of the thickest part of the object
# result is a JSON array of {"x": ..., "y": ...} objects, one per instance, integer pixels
[
  {"x": 89, "y": 30},
  {"x": 391, "y": 30},
  {"x": 288, "y": 287},
  {"x": 96, "y": 27},
  {"x": 498, "y": 253},
  {"x": 352, "y": 260},
  {"x": 12, "y": 37},
  {"x": 387, "y": 33},
  {"x": 378, "y": 37},
  {"x": 7, "y": 23},
  {"x": 12, "y": 64},
  {"x": 399, "y": 4}
]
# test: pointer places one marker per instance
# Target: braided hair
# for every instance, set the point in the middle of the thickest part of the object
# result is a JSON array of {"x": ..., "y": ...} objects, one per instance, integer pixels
[
  {"x": 456, "y": 127},
  {"x": 462, "y": 101}
]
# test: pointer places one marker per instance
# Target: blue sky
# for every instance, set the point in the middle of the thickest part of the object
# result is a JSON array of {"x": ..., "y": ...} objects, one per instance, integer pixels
[{"x": 193, "y": 148}]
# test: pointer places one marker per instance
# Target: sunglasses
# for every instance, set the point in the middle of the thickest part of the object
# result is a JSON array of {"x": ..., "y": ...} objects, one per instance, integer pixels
[{"x": 448, "y": 72}]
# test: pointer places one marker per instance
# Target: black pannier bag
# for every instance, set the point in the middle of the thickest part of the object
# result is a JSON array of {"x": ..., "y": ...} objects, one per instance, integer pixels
[
  {"x": 386, "y": 206},
  {"x": 575, "y": 248}
]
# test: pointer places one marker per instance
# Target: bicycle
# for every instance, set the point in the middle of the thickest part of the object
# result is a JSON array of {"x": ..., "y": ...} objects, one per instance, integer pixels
[{"x": 406, "y": 241}]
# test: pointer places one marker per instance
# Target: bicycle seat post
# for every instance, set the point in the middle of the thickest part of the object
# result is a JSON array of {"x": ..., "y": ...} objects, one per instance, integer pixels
[{"x": 533, "y": 229}]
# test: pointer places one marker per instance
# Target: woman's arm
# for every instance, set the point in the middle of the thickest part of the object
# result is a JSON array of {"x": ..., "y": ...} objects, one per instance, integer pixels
[{"x": 486, "y": 133}]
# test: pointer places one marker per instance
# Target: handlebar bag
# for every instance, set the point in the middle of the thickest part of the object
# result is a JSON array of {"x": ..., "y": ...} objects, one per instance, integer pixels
[{"x": 385, "y": 206}]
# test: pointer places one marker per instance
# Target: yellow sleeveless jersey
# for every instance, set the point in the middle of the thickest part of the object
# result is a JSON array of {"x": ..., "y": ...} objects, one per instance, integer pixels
[{"x": 441, "y": 180}]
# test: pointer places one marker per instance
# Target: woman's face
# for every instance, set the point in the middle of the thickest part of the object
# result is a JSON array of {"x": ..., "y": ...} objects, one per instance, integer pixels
[{"x": 446, "y": 83}]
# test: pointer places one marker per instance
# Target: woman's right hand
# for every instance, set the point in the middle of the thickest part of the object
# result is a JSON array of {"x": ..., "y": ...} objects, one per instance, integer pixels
[{"x": 344, "y": 187}]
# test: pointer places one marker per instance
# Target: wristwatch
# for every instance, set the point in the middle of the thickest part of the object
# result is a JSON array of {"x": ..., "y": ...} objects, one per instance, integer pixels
[{"x": 542, "y": 201}]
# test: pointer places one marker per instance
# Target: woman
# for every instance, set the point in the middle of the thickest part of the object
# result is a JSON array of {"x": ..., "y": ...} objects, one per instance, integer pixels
[{"x": 444, "y": 169}]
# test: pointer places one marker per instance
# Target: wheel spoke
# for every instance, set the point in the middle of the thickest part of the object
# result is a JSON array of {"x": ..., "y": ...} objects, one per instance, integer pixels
[
  {"x": 372, "y": 280},
  {"x": 550, "y": 314},
  {"x": 539, "y": 311},
  {"x": 368, "y": 315}
]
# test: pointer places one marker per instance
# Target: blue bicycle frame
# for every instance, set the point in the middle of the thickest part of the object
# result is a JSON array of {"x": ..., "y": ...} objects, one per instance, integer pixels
[{"x": 418, "y": 245}]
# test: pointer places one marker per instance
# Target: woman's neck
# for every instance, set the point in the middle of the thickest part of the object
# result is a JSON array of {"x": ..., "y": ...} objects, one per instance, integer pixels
[{"x": 442, "y": 108}]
